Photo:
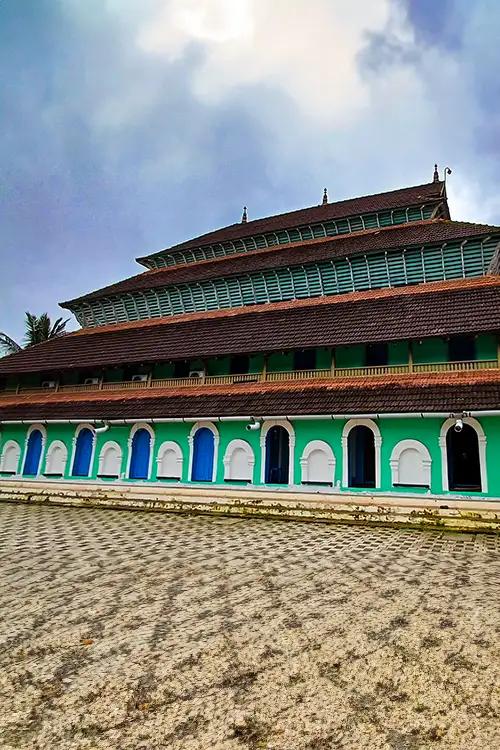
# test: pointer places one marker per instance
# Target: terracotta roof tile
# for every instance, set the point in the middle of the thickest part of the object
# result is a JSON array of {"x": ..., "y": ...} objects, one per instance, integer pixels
[
  {"x": 446, "y": 392},
  {"x": 440, "y": 308},
  {"x": 415, "y": 233},
  {"x": 429, "y": 193}
]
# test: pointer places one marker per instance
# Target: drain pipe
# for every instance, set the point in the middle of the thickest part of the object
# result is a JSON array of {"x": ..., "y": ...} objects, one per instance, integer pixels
[{"x": 100, "y": 430}]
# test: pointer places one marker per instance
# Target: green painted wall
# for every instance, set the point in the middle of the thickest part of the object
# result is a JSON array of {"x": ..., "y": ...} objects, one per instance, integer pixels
[
  {"x": 430, "y": 350},
  {"x": 486, "y": 347},
  {"x": 426, "y": 431},
  {"x": 350, "y": 356},
  {"x": 398, "y": 352},
  {"x": 280, "y": 361}
]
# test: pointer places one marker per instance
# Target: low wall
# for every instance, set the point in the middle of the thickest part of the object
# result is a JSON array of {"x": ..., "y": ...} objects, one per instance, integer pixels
[{"x": 395, "y": 510}]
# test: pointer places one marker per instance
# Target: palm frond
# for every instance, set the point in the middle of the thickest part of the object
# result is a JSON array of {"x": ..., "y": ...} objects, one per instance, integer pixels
[
  {"x": 31, "y": 325},
  {"x": 40, "y": 328},
  {"x": 8, "y": 345},
  {"x": 58, "y": 328}
]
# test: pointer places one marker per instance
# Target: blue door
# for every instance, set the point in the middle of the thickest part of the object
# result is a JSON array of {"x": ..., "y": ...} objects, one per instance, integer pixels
[
  {"x": 33, "y": 454},
  {"x": 83, "y": 453},
  {"x": 139, "y": 460},
  {"x": 203, "y": 455}
]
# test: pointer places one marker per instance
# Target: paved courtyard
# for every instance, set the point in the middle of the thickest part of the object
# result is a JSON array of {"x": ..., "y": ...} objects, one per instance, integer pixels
[{"x": 137, "y": 631}]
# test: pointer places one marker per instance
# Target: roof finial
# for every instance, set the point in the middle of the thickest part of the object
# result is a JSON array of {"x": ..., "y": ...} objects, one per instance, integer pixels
[
  {"x": 436, "y": 173},
  {"x": 244, "y": 218},
  {"x": 325, "y": 197}
]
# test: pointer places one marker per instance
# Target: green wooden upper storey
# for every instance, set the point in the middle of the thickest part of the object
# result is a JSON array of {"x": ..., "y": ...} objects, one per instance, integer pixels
[
  {"x": 326, "y": 220},
  {"x": 298, "y": 255}
]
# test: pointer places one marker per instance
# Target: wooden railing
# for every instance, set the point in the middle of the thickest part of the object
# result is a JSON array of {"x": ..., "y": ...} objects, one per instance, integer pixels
[
  {"x": 242, "y": 379},
  {"x": 298, "y": 375},
  {"x": 372, "y": 370},
  {"x": 477, "y": 364}
]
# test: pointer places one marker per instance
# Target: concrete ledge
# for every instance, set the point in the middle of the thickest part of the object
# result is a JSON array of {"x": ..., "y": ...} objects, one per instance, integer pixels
[{"x": 395, "y": 510}]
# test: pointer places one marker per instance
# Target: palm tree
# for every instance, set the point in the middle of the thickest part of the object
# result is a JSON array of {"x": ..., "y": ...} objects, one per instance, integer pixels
[{"x": 38, "y": 329}]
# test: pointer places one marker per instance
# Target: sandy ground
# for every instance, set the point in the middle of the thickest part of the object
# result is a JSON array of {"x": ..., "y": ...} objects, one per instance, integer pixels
[{"x": 137, "y": 631}]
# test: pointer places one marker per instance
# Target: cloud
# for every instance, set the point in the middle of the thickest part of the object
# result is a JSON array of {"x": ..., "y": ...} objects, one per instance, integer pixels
[
  {"x": 134, "y": 125},
  {"x": 306, "y": 50}
]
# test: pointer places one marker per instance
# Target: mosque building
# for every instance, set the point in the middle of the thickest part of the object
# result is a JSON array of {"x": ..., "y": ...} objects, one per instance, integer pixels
[{"x": 347, "y": 347}]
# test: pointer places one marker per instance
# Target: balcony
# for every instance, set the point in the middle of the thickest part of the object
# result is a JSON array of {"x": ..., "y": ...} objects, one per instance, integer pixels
[{"x": 267, "y": 377}]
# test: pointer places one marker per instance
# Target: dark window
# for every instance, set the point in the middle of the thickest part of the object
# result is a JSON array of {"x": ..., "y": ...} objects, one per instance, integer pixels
[
  {"x": 461, "y": 348},
  {"x": 464, "y": 468},
  {"x": 181, "y": 369},
  {"x": 376, "y": 355},
  {"x": 304, "y": 359},
  {"x": 239, "y": 365}
]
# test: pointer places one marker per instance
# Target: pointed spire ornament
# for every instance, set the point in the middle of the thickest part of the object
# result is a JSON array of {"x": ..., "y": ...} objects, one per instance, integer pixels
[
  {"x": 244, "y": 218},
  {"x": 436, "y": 173},
  {"x": 325, "y": 197}
]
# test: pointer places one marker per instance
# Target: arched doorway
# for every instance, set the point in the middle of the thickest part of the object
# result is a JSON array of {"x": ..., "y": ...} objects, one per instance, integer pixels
[
  {"x": 83, "y": 452},
  {"x": 277, "y": 455},
  {"x": 203, "y": 455},
  {"x": 33, "y": 454},
  {"x": 462, "y": 451},
  {"x": 140, "y": 455},
  {"x": 361, "y": 457}
]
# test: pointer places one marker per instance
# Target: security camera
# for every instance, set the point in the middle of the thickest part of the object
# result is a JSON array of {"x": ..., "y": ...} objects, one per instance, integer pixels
[
  {"x": 459, "y": 425},
  {"x": 253, "y": 425}
]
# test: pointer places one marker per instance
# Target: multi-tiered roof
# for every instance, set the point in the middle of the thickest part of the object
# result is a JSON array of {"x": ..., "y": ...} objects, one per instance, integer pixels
[{"x": 380, "y": 268}]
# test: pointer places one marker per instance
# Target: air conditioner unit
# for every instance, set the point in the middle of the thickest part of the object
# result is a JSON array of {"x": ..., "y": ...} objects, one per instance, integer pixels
[
  {"x": 197, "y": 374},
  {"x": 49, "y": 383},
  {"x": 91, "y": 381},
  {"x": 139, "y": 378}
]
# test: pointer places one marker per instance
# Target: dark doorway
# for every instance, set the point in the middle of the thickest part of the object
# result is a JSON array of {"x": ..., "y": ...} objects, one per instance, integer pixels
[
  {"x": 304, "y": 359},
  {"x": 464, "y": 468},
  {"x": 361, "y": 457},
  {"x": 277, "y": 455},
  {"x": 462, "y": 349},
  {"x": 376, "y": 355},
  {"x": 239, "y": 365}
]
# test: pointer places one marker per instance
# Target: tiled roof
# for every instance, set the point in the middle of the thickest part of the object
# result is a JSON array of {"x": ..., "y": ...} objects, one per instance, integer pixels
[
  {"x": 440, "y": 308},
  {"x": 415, "y": 233},
  {"x": 419, "y": 195},
  {"x": 447, "y": 392}
]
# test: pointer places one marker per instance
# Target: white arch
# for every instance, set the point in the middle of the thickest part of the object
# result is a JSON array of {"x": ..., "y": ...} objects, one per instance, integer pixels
[
  {"x": 318, "y": 463},
  {"x": 43, "y": 432},
  {"x": 373, "y": 426},
  {"x": 83, "y": 426},
  {"x": 169, "y": 460},
  {"x": 411, "y": 464},
  {"x": 481, "y": 437},
  {"x": 135, "y": 428},
  {"x": 291, "y": 443},
  {"x": 9, "y": 459},
  {"x": 194, "y": 429},
  {"x": 239, "y": 461},
  {"x": 110, "y": 460},
  {"x": 57, "y": 457}
]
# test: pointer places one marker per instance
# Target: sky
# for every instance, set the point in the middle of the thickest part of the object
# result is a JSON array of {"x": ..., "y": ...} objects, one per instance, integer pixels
[{"x": 127, "y": 126}]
